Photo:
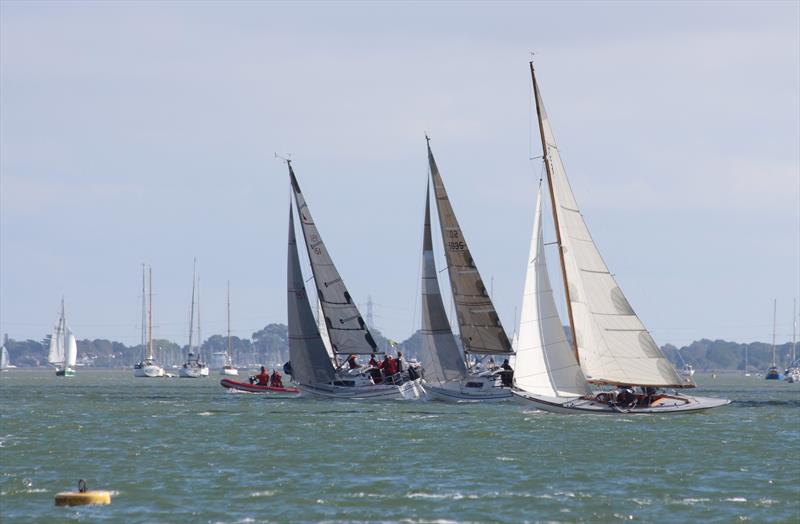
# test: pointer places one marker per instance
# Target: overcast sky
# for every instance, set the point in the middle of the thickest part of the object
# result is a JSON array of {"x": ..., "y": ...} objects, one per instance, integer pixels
[{"x": 145, "y": 132}]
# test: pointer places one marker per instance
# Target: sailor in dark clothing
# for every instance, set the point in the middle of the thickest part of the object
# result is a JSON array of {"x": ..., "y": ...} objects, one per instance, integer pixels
[
  {"x": 399, "y": 362},
  {"x": 507, "y": 374},
  {"x": 352, "y": 363}
]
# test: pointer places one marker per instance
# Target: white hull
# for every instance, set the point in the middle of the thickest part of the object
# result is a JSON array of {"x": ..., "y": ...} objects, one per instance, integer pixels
[
  {"x": 579, "y": 405},
  {"x": 231, "y": 372},
  {"x": 190, "y": 373},
  {"x": 455, "y": 392},
  {"x": 410, "y": 390},
  {"x": 149, "y": 371}
]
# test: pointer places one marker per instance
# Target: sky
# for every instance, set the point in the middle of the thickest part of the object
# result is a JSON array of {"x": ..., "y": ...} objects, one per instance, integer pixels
[{"x": 146, "y": 132}]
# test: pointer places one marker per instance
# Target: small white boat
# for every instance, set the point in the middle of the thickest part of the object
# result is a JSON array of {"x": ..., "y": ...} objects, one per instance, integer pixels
[
  {"x": 610, "y": 345},
  {"x": 447, "y": 375},
  {"x": 5, "y": 364},
  {"x": 229, "y": 369},
  {"x": 194, "y": 367},
  {"x": 63, "y": 352},
  {"x": 148, "y": 367},
  {"x": 687, "y": 371}
]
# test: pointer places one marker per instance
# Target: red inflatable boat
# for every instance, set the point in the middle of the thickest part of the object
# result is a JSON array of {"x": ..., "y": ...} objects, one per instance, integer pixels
[{"x": 255, "y": 388}]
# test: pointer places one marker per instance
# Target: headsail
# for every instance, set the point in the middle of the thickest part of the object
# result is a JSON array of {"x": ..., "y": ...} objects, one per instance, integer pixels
[
  {"x": 441, "y": 357},
  {"x": 347, "y": 330},
  {"x": 310, "y": 361},
  {"x": 323, "y": 331},
  {"x": 3, "y": 358},
  {"x": 613, "y": 344},
  {"x": 479, "y": 325},
  {"x": 545, "y": 363},
  {"x": 57, "y": 353},
  {"x": 72, "y": 350}
]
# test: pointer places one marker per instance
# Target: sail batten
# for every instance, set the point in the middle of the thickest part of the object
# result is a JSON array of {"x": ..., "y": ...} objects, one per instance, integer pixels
[
  {"x": 347, "y": 330},
  {"x": 479, "y": 325},
  {"x": 442, "y": 360},
  {"x": 613, "y": 345}
]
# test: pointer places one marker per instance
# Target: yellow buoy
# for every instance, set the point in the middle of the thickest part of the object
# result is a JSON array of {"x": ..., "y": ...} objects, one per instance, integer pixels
[{"x": 83, "y": 496}]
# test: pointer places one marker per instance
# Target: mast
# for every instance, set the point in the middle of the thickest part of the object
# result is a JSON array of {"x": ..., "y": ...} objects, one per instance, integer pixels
[
  {"x": 150, "y": 316},
  {"x": 228, "y": 295},
  {"x": 546, "y": 158},
  {"x": 774, "y": 313},
  {"x": 794, "y": 331},
  {"x": 144, "y": 317},
  {"x": 199, "y": 339},
  {"x": 191, "y": 315}
]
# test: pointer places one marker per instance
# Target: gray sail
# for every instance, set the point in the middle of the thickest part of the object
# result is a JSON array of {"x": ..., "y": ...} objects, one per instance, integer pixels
[
  {"x": 441, "y": 358},
  {"x": 310, "y": 361},
  {"x": 346, "y": 327},
  {"x": 479, "y": 325}
]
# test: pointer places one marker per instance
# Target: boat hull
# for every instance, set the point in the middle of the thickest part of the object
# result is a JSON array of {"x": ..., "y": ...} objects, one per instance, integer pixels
[
  {"x": 148, "y": 372},
  {"x": 578, "y": 405},
  {"x": 459, "y": 394},
  {"x": 255, "y": 388},
  {"x": 67, "y": 372},
  {"x": 409, "y": 390},
  {"x": 230, "y": 372},
  {"x": 191, "y": 373}
]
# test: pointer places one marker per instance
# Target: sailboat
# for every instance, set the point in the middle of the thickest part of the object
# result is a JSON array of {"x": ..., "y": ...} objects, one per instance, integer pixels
[
  {"x": 147, "y": 367},
  {"x": 449, "y": 375},
  {"x": 194, "y": 367},
  {"x": 610, "y": 345},
  {"x": 792, "y": 374},
  {"x": 772, "y": 372},
  {"x": 4, "y": 359},
  {"x": 315, "y": 372},
  {"x": 228, "y": 368},
  {"x": 63, "y": 347}
]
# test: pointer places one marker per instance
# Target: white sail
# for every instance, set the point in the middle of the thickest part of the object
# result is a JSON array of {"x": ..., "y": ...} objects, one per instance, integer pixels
[
  {"x": 613, "y": 344},
  {"x": 478, "y": 323},
  {"x": 545, "y": 363},
  {"x": 72, "y": 351},
  {"x": 346, "y": 327},
  {"x": 309, "y": 359},
  {"x": 56, "y": 354},
  {"x": 441, "y": 358},
  {"x": 323, "y": 330},
  {"x": 3, "y": 358}
]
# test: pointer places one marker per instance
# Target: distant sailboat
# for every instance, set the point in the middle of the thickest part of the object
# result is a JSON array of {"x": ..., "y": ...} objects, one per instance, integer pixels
[
  {"x": 229, "y": 369},
  {"x": 611, "y": 346},
  {"x": 311, "y": 366},
  {"x": 63, "y": 347},
  {"x": 772, "y": 372},
  {"x": 147, "y": 367},
  {"x": 194, "y": 367},
  {"x": 792, "y": 374},
  {"x": 4, "y": 362},
  {"x": 448, "y": 375}
]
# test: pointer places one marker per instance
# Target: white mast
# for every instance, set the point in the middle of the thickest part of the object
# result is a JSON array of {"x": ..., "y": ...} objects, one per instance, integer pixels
[
  {"x": 191, "y": 314},
  {"x": 794, "y": 331},
  {"x": 774, "y": 314},
  {"x": 230, "y": 358},
  {"x": 199, "y": 338},
  {"x": 144, "y": 316},
  {"x": 150, "y": 317}
]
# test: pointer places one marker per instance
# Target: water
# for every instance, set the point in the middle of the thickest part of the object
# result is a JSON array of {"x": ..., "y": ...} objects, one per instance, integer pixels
[{"x": 177, "y": 450}]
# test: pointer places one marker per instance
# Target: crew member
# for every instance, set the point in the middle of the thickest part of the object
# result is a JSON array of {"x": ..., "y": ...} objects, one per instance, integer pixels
[
  {"x": 263, "y": 377},
  {"x": 351, "y": 361},
  {"x": 275, "y": 380},
  {"x": 507, "y": 374},
  {"x": 399, "y": 362}
]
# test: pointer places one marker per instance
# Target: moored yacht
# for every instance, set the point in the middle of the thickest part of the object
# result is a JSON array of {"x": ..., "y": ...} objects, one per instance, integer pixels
[{"x": 148, "y": 367}]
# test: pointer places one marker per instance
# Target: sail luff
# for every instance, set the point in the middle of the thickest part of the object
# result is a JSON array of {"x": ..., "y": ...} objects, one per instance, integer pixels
[
  {"x": 548, "y": 169},
  {"x": 479, "y": 325},
  {"x": 614, "y": 347},
  {"x": 441, "y": 357},
  {"x": 347, "y": 330},
  {"x": 307, "y": 354}
]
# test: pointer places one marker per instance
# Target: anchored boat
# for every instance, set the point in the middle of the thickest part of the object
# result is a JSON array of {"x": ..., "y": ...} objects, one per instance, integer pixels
[
  {"x": 147, "y": 367},
  {"x": 194, "y": 367},
  {"x": 448, "y": 376},
  {"x": 610, "y": 345},
  {"x": 312, "y": 368}
]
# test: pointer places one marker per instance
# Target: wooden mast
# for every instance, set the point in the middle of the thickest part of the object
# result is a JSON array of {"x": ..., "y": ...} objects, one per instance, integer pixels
[{"x": 548, "y": 167}]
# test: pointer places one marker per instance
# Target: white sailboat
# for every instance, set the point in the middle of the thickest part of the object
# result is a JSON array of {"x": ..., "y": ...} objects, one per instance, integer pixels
[
  {"x": 792, "y": 374},
  {"x": 148, "y": 367},
  {"x": 610, "y": 345},
  {"x": 448, "y": 375},
  {"x": 194, "y": 367},
  {"x": 229, "y": 369},
  {"x": 311, "y": 367},
  {"x": 63, "y": 351},
  {"x": 5, "y": 363}
]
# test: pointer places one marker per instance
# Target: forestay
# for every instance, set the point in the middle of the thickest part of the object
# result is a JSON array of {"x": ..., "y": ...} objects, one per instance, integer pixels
[
  {"x": 479, "y": 325},
  {"x": 442, "y": 360},
  {"x": 613, "y": 344},
  {"x": 346, "y": 328},
  {"x": 545, "y": 363},
  {"x": 310, "y": 361}
]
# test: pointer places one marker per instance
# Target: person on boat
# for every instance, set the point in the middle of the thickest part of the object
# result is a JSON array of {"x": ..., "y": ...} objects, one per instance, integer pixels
[
  {"x": 399, "y": 362},
  {"x": 275, "y": 380},
  {"x": 372, "y": 362},
  {"x": 389, "y": 368},
  {"x": 625, "y": 396},
  {"x": 262, "y": 379},
  {"x": 507, "y": 374},
  {"x": 352, "y": 362}
]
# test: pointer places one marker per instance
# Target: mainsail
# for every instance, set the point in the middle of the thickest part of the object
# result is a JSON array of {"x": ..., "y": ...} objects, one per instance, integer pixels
[
  {"x": 57, "y": 353},
  {"x": 478, "y": 323},
  {"x": 613, "y": 344},
  {"x": 347, "y": 330},
  {"x": 545, "y": 364},
  {"x": 441, "y": 357},
  {"x": 310, "y": 361}
]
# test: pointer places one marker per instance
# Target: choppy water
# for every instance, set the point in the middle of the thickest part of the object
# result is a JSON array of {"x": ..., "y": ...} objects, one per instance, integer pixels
[{"x": 177, "y": 450}]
